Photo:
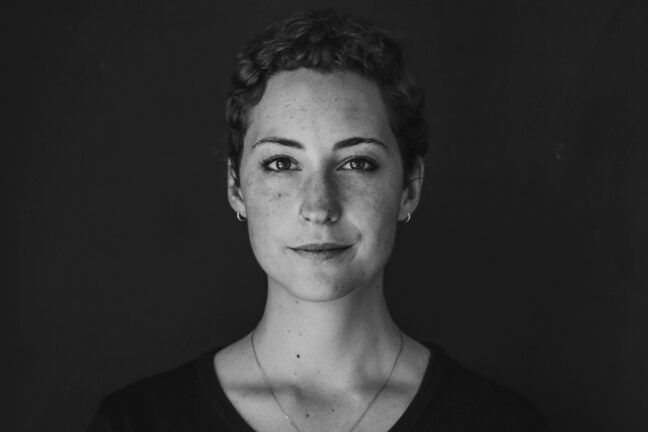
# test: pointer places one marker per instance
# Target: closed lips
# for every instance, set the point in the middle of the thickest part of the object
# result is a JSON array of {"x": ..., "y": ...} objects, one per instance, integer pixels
[{"x": 320, "y": 247}]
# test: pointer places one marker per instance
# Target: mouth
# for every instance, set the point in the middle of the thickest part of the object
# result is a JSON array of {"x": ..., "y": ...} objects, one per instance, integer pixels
[
  {"x": 319, "y": 247},
  {"x": 321, "y": 251}
]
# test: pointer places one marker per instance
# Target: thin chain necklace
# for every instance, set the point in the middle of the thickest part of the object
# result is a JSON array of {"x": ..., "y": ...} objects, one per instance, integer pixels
[{"x": 285, "y": 414}]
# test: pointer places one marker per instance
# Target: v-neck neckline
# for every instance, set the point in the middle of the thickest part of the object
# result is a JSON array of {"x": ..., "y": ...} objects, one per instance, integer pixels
[{"x": 226, "y": 411}]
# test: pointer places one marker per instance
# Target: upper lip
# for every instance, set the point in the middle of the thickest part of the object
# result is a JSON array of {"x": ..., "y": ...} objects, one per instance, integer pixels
[{"x": 321, "y": 246}]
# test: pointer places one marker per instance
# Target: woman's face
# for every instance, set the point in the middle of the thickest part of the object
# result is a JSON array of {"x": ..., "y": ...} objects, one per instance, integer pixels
[{"x": 321, "y": 184}]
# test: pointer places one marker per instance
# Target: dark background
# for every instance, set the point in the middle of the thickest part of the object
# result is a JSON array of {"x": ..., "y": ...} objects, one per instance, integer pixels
[{"x": 527, "y": 259}]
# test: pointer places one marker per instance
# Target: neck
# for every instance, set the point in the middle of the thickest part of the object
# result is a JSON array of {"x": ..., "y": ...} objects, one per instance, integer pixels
[{"x": 338, "y": 342}]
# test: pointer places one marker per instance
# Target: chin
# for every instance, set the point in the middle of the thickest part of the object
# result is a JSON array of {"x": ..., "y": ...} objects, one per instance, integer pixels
[{"x": 321, "y": 289}]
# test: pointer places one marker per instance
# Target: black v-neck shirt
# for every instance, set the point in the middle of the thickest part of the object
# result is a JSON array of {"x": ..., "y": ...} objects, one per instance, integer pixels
[{"x": 190, "y": 398}]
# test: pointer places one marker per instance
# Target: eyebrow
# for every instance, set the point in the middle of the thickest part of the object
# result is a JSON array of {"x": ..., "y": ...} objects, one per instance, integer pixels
[{"x": 345, "y": 143}]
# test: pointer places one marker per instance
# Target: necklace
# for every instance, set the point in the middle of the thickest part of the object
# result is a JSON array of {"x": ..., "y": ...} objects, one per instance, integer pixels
[{"x": 285, "y": 414}]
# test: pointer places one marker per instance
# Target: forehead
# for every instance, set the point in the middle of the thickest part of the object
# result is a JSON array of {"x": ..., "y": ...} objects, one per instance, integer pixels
[{"x": 307, "y": 101}]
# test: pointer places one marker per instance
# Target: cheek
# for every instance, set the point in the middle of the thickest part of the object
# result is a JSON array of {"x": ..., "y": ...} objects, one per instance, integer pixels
[
  {"x": 369, "y": 202},
  {"x": 374, "y": 211},
  {"x": 267, "y": 206},
  {"x": 260, "y": 193},
  {"x": 377, "y": 202}
]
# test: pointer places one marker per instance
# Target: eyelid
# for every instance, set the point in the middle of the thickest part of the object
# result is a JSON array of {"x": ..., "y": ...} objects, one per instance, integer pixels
[
  {"x": 265, "y": 163},
  {"x": 373, "y": 165}
]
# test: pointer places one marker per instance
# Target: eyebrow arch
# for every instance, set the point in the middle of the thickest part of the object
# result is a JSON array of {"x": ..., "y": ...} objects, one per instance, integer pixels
[{"x": 345, "y": 143}]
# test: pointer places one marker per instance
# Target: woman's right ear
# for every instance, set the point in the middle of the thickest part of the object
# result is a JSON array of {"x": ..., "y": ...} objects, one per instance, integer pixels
[{"x": 234, "y": 193}]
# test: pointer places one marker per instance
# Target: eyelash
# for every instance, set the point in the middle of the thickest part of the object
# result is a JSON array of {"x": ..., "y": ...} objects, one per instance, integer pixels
[{"x": 265, "y": 164}]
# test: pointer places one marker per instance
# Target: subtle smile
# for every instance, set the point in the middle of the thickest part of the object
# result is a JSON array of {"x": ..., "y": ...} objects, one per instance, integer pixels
[{"x": 321, "y": 251}]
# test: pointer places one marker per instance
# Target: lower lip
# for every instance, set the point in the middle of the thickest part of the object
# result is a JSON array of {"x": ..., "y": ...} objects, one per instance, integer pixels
[{"x": 322, "y": 255}]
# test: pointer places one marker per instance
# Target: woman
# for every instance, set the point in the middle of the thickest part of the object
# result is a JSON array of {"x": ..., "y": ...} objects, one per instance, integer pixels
[{"x": 326, "y": 144}]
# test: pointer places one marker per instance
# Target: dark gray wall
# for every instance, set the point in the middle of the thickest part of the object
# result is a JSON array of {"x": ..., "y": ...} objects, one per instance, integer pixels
[{"x": 527, "y": 259}]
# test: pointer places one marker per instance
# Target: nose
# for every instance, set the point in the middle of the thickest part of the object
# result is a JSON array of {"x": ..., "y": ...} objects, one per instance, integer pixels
[{"x": 320, "y": 202}]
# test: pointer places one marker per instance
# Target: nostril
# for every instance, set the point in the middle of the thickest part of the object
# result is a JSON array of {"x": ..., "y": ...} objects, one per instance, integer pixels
[
  {"x": 320, "y": 201},
  {"x": 316, "y": 215},
  {"x": 320, "y": 211}
]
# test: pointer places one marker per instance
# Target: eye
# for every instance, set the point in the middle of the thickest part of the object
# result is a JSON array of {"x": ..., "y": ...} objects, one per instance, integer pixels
[
  {"x": 359, "y": 164},
  {"x": 278, "y": 163}
]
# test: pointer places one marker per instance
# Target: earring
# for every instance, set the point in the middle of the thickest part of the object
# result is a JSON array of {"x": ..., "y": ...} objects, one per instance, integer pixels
[
  {"x": 409, "y": 217},
  {"x": 240, "y": 218}
]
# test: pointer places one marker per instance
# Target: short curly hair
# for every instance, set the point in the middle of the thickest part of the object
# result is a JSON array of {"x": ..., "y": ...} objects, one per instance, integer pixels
[{"x": 327, "y": 41}]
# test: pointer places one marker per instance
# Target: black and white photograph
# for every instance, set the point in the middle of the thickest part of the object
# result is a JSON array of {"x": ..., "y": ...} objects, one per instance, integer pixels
[{"x": 326, "y": 216}]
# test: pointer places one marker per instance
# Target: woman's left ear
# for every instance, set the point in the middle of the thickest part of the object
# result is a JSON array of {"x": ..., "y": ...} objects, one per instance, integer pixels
[{"x": 411, "y": 194}]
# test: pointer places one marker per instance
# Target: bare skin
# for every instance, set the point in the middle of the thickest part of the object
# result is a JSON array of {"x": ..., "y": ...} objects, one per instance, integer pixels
[
  {"x": 326, "y": 338},
  {"x": 315, "y": 405}
]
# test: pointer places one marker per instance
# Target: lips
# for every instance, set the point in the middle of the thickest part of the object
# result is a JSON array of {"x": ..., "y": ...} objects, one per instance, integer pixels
[
  {"x": 321, "y": 252},
  {"x": 321, "y": 247}
]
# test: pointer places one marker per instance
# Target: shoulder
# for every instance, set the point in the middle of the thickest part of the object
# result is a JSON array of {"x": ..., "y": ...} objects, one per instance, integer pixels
[
  {"x": 157, "y": 402},
  {"x": 466, "y": 398}
]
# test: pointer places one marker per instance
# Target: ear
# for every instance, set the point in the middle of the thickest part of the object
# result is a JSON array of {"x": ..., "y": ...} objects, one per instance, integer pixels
[
  {"x": 411, "y": 194},
  {"x": 234, "y": 193}
]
